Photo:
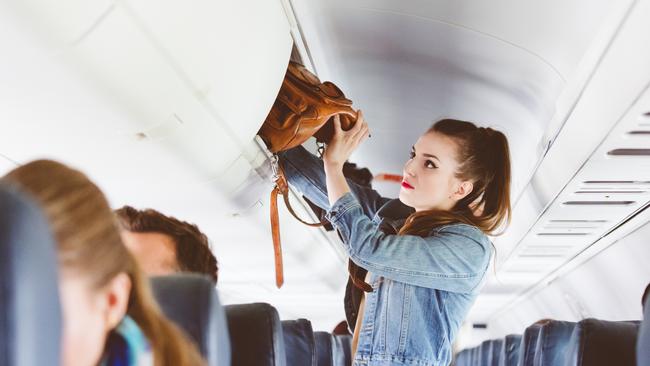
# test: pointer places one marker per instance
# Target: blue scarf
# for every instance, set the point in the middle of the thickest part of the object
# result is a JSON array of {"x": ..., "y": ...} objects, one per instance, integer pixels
[{"x": 127, "y": 346}]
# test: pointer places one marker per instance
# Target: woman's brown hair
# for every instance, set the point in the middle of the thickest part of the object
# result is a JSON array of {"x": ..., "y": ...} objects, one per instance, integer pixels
[
  {"x": 88, "y": 243},
  {"x": 484, "y": 158}
]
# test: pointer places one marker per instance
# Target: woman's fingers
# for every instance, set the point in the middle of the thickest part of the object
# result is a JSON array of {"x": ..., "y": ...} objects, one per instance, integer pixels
[
  {"x": 337, "y": 125},
  {"x": 365, "y": 132},
  {"x": 363, "y": 129}
]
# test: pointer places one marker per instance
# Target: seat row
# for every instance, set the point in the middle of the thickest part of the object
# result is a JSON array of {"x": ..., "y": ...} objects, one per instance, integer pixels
[
  {"x": 241, "y": 335},
  {"x": 245, "y": 334},
  {"x": 561, "y": 343}
]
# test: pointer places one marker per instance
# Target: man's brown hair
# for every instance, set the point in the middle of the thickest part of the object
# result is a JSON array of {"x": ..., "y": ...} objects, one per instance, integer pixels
[{"x": 193, "y": 252}]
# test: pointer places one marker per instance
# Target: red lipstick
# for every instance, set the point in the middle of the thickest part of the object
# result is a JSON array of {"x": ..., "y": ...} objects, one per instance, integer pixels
[{"x": 406, "y": 185}]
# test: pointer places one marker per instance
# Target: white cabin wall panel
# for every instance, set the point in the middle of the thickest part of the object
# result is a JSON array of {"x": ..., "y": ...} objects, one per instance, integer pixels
[
  {"x": 609, "y": 286},
  {"x": 606, "y": 99}
]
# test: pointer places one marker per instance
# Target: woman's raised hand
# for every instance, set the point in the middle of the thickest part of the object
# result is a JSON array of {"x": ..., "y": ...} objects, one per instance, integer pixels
[{"x": 344, "y": 143}]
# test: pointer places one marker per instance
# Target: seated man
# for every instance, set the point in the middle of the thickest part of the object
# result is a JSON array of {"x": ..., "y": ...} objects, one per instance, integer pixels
[{"x": 164, "y": 245}]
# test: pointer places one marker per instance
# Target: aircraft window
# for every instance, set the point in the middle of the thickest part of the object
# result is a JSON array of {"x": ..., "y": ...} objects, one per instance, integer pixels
[
  {"x": 598, "y": 203},
  {"x": 615, "y": 182},
  {"x": 610, "y": 191},
  {"x": 629, "y": 152},
  {"x": 562, "y": 234},
  {"x": 577, "y": 220}
]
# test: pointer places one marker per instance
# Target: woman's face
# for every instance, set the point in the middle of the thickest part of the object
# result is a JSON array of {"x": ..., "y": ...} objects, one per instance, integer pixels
[
  {"x": 430, "y": 175},
  {"x": 88, "y": 316}
]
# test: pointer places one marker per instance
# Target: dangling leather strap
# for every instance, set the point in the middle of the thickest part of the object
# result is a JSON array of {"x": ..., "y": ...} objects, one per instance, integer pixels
[
  {"x": 282, "y": 188},
  {"x": 275, "y": 231}
]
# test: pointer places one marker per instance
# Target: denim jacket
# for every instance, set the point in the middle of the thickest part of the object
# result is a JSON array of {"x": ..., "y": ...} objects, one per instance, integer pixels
[{"x": 422, "y": 287}]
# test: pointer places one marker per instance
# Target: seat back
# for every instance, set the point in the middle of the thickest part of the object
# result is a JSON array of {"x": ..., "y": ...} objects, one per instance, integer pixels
[
  {"x": 528, "y": 345},
  {"x": 256, "y": 337},
  {"x": 643, "y": 342},
  {"x": 476, "y": 355},
  {"x": 484, "y": 353},
  {"x": 30, "y": 313},
  {"x": 599, "y": 342},
  {"x": 342, "y": 350},
  {"x": 324, "y": 349},
  {"x": 494, "y": 352},
  {"x": 192, "y": 303},
  {"x": 464, "y": 358},
  {"x": 299, "y": 342},
  {"x": 552, "y": 343},
  {"x": 509, "y": 355}
]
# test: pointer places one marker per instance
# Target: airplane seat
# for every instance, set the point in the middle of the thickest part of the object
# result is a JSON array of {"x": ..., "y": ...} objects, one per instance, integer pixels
[
  {"x": 528, "y": 345},
  {"x": 342, "y": 350},
  {"x": 464, "y": 358},
  {"x": 324, "y": 348},
  {"x": 192, "y": 303},
  {"x": 299, "y": 342},
  {"x": 509, "y": 355},
  {"x": 484, "y": 354},
  {"x": 476, "y": 355},
  {"x": 643, "y": 341},
  {"x": 30, "y": 313},
  {"x": 494, "y": 352},
  {"x": 599, "y": 342},
  {"x": 552, "y": 343},
  {"x": 256, "y": 337}
]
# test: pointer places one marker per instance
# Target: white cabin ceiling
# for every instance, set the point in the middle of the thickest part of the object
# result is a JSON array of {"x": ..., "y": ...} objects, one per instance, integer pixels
[{"x": 408, "y": 63}]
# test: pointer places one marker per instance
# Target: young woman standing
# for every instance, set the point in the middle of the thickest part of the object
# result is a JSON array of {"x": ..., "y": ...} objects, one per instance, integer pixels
[{"x": 425, "y": 255}]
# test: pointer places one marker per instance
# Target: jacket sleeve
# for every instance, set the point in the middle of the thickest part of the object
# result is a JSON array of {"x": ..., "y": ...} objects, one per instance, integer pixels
[
  {"x": 455, "y": 258},
  {"x": 305, "y": 172}
]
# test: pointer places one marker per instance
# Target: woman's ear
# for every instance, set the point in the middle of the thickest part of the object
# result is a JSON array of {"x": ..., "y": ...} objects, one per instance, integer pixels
[
  {"x": 463, "y": 190},
  {"x": 117, "y": 293}
]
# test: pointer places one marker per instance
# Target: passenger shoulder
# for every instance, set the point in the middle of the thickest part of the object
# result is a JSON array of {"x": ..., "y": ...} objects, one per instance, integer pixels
[{"x": 470, "y": 231}]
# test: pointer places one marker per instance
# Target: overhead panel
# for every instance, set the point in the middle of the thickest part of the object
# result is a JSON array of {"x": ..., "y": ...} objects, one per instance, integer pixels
[
  {"x": 409, "y": 63},
  {"x": 604, "y": 194}
]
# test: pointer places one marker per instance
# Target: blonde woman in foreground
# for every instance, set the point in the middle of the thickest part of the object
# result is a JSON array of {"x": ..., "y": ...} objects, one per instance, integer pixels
[{"x": 109, "y": 314}]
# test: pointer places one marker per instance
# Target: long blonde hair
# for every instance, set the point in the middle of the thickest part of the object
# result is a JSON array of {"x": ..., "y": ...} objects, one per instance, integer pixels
[{"x": 88, "y": 242}]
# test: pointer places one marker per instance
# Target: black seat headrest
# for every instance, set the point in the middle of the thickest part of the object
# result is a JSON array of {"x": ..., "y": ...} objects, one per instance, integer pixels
[
  {"x": 643, "y": 343},
  {"x": 255, "y": 335},
  {"x": 30, "y": 313},
  {"x": 299, "y": 342},
  {"x": 528, "y": 345},
  {"x": 342, "y": 350},
  {"x": 552, "y": 343},
  {"x": 510, "y": 350},
  {"x": 192, "y": 303},
  {"x": 599, "y": 342},
  {"x": 324, "y": 348}
]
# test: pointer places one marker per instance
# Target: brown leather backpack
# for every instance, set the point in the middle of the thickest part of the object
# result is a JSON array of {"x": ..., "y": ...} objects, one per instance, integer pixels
[{"x": 303, "y": 108}]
